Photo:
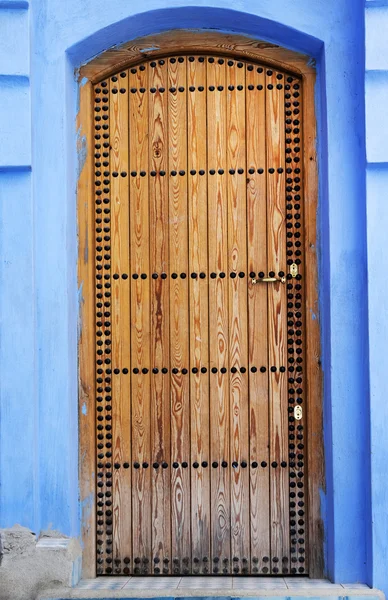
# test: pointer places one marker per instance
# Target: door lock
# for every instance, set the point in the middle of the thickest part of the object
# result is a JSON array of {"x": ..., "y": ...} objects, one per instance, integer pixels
[
  {"x": 269, "y": 280},
  {"x": 298, "y": 412}
]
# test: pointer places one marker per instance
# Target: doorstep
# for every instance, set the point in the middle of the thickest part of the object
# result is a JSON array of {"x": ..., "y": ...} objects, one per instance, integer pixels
[{"x": 205, "y": 588}]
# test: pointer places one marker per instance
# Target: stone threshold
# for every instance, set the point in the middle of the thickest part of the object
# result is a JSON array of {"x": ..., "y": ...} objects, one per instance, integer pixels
[
  {"x": 212, "y": 587},
  {"x": 263, "y": 595}
]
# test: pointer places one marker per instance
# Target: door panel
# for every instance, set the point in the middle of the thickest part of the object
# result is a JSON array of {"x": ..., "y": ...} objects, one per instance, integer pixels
[
  {"x": 199, "y": 319},
  {"x": 160, "y": 315},
  {"x": 219, "y": 319},
  {"x": 235, "y": 172},
  {"x": 179, "y": 315},
  {"x": 140, "y": 319},
  {"x": 258, "y": 323},
  {"x": 199, "y": 316},
  {"x": 277, "y": 326},
  {"x": 121, "y": 329}
]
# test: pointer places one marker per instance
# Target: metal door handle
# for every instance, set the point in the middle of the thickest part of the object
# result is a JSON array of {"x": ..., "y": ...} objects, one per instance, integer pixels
[{"x": 269, "y": 280}]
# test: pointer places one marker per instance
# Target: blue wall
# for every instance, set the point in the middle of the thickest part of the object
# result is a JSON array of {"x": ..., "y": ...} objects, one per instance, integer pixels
[
  {"x": 376, "y": 88},
  {"x": 41, "y": 44}
]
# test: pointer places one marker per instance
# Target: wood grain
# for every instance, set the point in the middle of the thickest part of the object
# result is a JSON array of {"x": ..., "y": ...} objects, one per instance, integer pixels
[
  {"x": 179, "y": 314},
  {"x": 87, "y": 336},
  {"x": 140, "y": 315},
  {"x": 196, "y": 42},
  {"x": 120, "y": 319},
  {"x": 297, "y": 382},
  {"x": 257, "y": 319},
  {"x": 238, "y": 326},
  {"x": 313, "y": 367},
  {"x": 103, "y": 324},
  {"x": 218, "y": 317},
  {"x": 160, "y": 323},
  {"x": 199, "y": 312},
  {"x": 188, "y": 224},
  {"x": 277, "y": 323}
]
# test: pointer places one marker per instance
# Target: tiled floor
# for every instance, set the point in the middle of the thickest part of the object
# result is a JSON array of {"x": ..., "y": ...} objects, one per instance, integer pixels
[{"x": 226, "y": 584}]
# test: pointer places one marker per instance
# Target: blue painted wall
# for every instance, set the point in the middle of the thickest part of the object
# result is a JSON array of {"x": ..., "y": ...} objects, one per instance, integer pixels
[
  {"x": 40, "y": 46},
  {"x": 376, "y": 88}
]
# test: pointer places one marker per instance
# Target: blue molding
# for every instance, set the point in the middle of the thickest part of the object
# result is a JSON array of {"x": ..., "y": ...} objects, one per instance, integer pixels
[
  {"x": 14, "y": 80},
  {"x": 17, "y": 5},
  {"x": 15, "y": 168},
  {"x": 375, "y": 3}
]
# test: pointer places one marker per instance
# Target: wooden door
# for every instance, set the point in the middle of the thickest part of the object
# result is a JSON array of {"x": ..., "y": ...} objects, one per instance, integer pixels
[{"x": 199, "y": 319}]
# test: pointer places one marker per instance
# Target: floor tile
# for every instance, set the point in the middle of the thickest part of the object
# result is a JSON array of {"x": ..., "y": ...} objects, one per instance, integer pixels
[
  {"x": 263, "y": 579},
  {"x": 103, "y": 583},
  {"x": 257, "y": 582},
  {"x": 307, "y": 583},
  {"x": 355, "y": 586},
  {"x": 300, "y": 586},
  {"x": 259, "y": 586},
  {"x": 153, "y": 583},
  {"x": 199, "y": 582}
]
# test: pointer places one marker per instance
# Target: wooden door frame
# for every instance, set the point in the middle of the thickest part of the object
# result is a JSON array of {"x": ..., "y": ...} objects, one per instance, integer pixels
[{"x": 173, "y": 42}]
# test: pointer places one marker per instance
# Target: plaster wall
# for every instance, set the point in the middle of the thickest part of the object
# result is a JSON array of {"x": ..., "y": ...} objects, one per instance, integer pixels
[
  {"x": 39, "y": 299},
  {"x": 376, "y": 90}
]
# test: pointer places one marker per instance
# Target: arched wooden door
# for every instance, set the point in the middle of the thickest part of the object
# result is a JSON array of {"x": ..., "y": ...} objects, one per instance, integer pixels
[{"x": 200, "y": 319}]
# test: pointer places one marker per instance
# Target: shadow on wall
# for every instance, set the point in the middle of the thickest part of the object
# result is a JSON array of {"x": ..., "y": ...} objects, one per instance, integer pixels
[{"x": 226, "y": 20}]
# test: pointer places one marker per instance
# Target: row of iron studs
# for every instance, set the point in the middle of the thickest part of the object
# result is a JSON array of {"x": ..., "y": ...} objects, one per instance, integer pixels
[
  {"x": 182, "y": 172},
  {"x": 222, "y": 566},
  {"x": 115, "y": 79},
  {"x": 297, "y": 506},
  {"x": 194, "y": 370},
  {"x": 175, "y": 465},
  {"x": 103, "y": 341},
  {"x": 201, "y": 88},
  {"x": 201, "y": 275}
]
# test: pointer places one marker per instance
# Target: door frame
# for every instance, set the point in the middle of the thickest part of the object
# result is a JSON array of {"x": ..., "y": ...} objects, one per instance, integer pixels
[{"x": 110, "y": 61}]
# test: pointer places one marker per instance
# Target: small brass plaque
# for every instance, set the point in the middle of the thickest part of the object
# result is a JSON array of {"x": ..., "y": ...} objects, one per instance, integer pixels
[
  {"x": 294, "y": 269},
  {"x": 298, "y": 412}
]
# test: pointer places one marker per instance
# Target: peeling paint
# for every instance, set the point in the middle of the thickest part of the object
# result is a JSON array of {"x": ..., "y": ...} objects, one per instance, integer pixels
[
  {"x": 84, "y": 409},
  {"x": 80, "y": 300},
  {"x": 80, "y": 293},
  {"x": 150, "y": 49},
  {"x": 87, "y": 505},
  {"x": 81, "y": 152},
  {"x": 313, "y": 315}
]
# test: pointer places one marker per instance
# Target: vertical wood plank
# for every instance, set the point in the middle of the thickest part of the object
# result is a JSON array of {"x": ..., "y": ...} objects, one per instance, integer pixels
[
  {"x": 199, "y": 315},
  {"x": 179, "y": 314},
  {"x": 160, "y": 334},
  {"x": 121, "y": 339},
  {"x": 87, "y": 334},
  {"x": 277, "y": 323},
  {"x": 140, "y": 318},
  {"x": 103, "y": 314},
  {"x": 296, "y": 334},
  {"x": 238, "y": 330},
  {"x": 257, "y": 318},
  {"x": 313, "y": 368},
  {"x": 218, "y": 317}
]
